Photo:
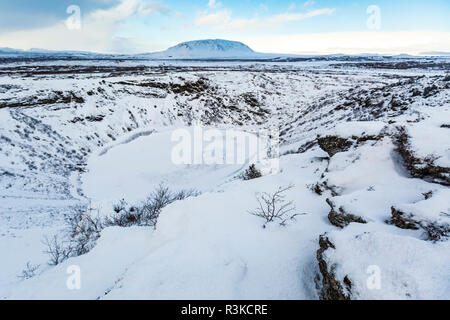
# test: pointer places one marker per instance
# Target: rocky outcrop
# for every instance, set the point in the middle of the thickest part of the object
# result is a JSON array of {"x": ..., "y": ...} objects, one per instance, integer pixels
[
  {"x": 52, "y": 98},
  {"x": 403, "y": 220},
  {"x": 334, "y": 144},
  {"x": 423, "y": 169},
  {"x": 186, "y": 88},
  {"x": 341, "y": 218},
  {"x": 398, "y": 219},
  {"x": 320, "y": 187},
  {"x": 331, "y": 288}
]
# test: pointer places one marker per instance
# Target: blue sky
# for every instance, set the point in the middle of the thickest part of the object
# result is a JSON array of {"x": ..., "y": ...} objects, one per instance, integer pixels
[{"x": 148, "y": 25}]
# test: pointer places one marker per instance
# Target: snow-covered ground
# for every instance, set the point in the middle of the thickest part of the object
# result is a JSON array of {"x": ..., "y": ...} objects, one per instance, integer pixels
[{"x": 366, "y": 151}]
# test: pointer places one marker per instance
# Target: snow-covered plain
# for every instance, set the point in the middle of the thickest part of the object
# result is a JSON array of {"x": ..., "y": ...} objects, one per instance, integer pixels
[{"x": 87, "y": 138}]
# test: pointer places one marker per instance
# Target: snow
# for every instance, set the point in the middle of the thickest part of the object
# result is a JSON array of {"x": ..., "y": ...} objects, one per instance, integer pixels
[
  {"x": 424, "y": 275},
  {"x": 112, "y": 250},
  {"x": 357, "y": 129},
  {"x": 209, "y": 246},
  {"x": 119, "y": 174},
  {"x": 431, "y": 142},
  {"x": 370, "y": 181},
  {"x": 435, "y": 209},
  {"x": 18, "y": 247},
  {"x": 203, "y": 248}
]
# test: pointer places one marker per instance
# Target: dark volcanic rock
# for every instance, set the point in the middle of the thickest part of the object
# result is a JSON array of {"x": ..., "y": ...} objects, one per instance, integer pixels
[
  {"x": 331, "y": 289},
  {"x": 333, "y": 144},
  {"x": 419, "y": 168},
  {"x": 189, "y": 87},
  {"x": 404, "y": 220},
  {"x": 399, "y": 220},
  {"x": 340, "y": 218}
]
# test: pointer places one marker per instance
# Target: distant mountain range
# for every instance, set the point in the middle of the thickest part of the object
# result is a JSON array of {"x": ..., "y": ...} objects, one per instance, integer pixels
[
  {"x": 42, "y": 53},
  {"x": 436, "y": 53},
  {"x": 210, "y": 49}
]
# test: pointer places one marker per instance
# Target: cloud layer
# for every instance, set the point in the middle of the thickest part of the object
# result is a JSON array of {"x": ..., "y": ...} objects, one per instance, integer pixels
[
  {"x": 374, "y": 42},
  {"x": 223, "y": 19},
  {"x": 97, "y": 33}
]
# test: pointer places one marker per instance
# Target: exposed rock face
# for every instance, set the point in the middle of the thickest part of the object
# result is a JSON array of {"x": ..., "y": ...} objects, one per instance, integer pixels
[
  {"x": 190, "y": 87},
  {"x": 420, "y": 168},
  {"x": 52, "y": 98},
  {"x": 342, "y": 219},
  {"x": 320, "y": 187},
  {"x": 331, "y": 289},
  {"x": 186, "y": 88},
  {"x": 434, "y": 230},
  {"x": 334, "y": 144},
  {"x": 399, "y": 220}
]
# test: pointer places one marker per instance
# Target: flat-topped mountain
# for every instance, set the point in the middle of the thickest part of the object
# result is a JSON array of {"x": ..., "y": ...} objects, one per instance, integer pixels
[{"x": 209, "y": 48}]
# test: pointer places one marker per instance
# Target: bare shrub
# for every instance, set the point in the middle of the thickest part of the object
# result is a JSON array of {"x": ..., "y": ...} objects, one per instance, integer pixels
[
  {"x": 57, "y": 249},
  {"x": 124, "y": 216},
  {"x": 274, "y": 207},
  {"x": 29, "y": 271},
  {"x": 84, "y": 227},
  {"x": 83, "y": 230},
  {"x": 120, "y": 206},
  {"x": 147, "y": 212}
]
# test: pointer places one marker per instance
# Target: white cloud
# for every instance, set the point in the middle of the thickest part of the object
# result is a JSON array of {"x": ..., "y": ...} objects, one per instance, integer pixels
[
  {"x": 219, "y": 17},
  {"x": 152, "y": 7},
  {"x": 411, "y": 42},
  {"x": 240, "y": 24},
  {"x": 286, "y": 17},
  {"x": 213, "y": 4},
  {"x": 223, "y": 19},
  {"x": 97, "y": 31},
  {"x": 126, "y": 9}
]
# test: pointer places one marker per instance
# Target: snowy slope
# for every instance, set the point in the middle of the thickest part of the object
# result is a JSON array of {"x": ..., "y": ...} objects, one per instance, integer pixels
[{"x": 365, "y": 149}]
